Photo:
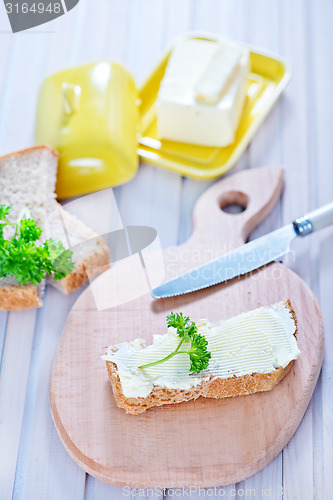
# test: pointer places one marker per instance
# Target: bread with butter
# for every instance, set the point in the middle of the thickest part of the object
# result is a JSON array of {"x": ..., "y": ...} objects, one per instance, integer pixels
[{"x": 215, "y": 382}]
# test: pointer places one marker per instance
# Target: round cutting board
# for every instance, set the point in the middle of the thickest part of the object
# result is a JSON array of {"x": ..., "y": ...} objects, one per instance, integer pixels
[{"x": 206, "y": 442}]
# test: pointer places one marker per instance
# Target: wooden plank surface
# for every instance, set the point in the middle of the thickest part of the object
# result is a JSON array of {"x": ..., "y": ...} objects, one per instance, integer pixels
[
  {"x": 297, "y": 134},
  {"x": 322, "y": 178},
  {"x": 18, "y": 347},
  {"x": 295, "y": 41}
]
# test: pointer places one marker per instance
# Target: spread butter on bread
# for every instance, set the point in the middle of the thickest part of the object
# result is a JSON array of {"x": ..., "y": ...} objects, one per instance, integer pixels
[{"x": 250, "y": 353}]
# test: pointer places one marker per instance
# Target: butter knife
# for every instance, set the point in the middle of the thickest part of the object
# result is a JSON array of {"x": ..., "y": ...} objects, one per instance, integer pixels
[{"x": 248, "y": 257}]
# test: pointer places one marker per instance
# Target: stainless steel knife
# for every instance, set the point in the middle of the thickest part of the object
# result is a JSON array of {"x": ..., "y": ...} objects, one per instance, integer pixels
[{"x": 248, "y": 257}]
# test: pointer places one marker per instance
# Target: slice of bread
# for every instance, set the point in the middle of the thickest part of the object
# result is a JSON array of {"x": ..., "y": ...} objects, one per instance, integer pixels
[
  {"x": 15, "y": 297},
  {"x": 27, "y": 180},
  {"x": 90, "y": 252},
  {"x": 212, "y": 386}
]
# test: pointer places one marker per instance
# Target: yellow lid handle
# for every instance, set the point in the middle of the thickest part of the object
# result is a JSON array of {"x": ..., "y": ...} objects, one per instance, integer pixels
[{"x": 71, "y": 98}]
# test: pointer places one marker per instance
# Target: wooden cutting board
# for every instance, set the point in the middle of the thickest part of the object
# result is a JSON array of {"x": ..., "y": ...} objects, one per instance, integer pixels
[{"x": 200, "y": 443}]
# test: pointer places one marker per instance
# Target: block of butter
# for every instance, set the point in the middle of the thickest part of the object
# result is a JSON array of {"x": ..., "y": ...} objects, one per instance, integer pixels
[{"x": 202, "y": 94}]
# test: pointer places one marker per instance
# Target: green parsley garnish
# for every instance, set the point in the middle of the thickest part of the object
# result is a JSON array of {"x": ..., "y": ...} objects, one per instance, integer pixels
[
  {"x": 27, "y": 259},
  {"x": 187, "y": 332}
]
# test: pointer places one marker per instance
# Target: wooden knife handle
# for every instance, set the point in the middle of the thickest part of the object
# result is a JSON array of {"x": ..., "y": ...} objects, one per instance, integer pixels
[{"x": 256, "y": 191}]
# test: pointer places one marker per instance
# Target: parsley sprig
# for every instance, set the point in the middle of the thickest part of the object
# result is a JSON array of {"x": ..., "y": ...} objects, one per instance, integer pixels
[
  {"x": 27, "y": 259},
  {"x": 187, "y": 332}
]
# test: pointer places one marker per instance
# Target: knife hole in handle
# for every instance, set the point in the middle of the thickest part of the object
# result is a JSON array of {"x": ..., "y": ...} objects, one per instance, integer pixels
[{"x": 233, "y": 202}]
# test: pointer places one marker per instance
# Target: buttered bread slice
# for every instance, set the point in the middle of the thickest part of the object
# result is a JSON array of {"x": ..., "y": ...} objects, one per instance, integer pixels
[{"x": 250, "y": 353}]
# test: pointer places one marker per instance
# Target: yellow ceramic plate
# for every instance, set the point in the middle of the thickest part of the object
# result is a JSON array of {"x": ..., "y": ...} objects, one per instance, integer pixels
[{"x": 268, "y": 77}]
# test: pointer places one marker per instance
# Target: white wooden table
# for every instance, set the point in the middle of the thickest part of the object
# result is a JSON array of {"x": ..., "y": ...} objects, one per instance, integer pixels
[{"x": 297, "y": 134}]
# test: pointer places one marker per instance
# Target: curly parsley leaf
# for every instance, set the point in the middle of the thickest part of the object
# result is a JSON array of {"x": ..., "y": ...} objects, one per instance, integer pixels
[
  {"x": 4, "y": 212},
  {"x": 25, "y": 258},
  {"x": 187, "y": 332},
  {"x": 60, "y": 257},
  {"x": 29, "y": 231},
  {"x": 199, "y": 355}
]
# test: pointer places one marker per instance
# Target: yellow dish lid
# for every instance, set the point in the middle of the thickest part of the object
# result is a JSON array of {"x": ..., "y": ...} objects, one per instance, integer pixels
[{"x": 90, "y": 115}]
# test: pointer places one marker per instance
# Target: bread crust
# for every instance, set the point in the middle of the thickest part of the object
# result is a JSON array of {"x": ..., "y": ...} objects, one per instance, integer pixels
[
  {"x": 91, "y": 254},
  {"x": 32, "y": 148},
  {"x": 18, "y": 298},
  {"x": 215, "y": 387},
  {"x": 96, "y": 263}
]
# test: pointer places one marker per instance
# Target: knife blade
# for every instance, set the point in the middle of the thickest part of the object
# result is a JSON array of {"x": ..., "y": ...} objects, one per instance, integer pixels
[{"x": 248, "y": 257}]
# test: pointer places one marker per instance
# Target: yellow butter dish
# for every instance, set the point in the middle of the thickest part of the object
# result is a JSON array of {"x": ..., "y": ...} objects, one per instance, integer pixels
[
  {"x": 268, "y": 76},
  {"x": 90, "y": 115},
  {"x": 100, "y": 124}
]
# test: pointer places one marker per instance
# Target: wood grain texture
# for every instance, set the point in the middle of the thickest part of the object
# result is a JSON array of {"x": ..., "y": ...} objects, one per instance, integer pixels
[
  {"x": 234, "y": 438},
  {"x": 297, "y": 107},
  {"x": 17, "y": 344},
  {"x": 261, "y": 31},
  {"x": 322, "y": 155}
]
